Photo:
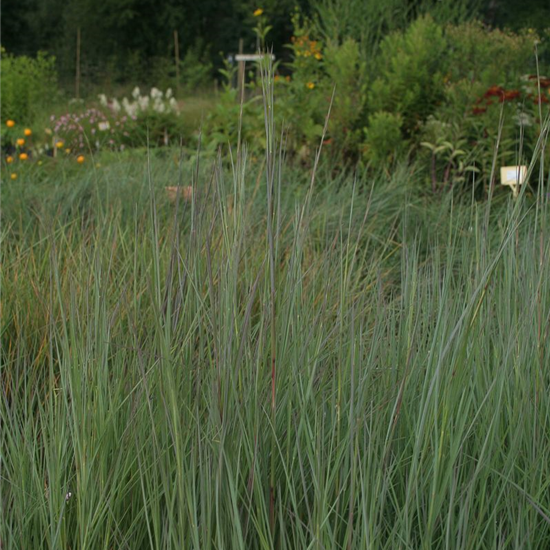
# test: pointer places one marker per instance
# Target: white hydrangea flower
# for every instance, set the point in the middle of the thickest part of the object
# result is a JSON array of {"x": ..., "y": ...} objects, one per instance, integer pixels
[
  {"x": 173, "y": 104},
  {"x": 168, "y": 93},
  {"x": 103, "y": 100},
  {"x": 135, "y": 92}
]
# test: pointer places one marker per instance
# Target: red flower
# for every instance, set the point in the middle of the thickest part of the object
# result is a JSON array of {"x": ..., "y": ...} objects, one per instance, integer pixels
[
  {"x": 510, "y": 94},
  {"x": 540, "y": 99},
  {"x": 543, "y": 81},
  {"x": 496, "y": 91},
  {"x": 479, "y": 110}
]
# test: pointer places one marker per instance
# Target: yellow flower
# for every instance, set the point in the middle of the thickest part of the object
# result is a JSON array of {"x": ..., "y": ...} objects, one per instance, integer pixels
[
  {"x": 10, "y": 124},
  {"x": 258, "y": 12},
  {"x": 67, "y": 151},
  {"x": 28, "y": 132},
  {"x": 59, "y": 144},
  {"x": 13, "y": 176},
  {"x": 9, "y": 160},
  {"x": 80, "y": 159},
  {"x": 40, "y": 163},
  {"x": 23, "y": 156},
  {"x": 318, "y": 56},
  {"x": 20, "y": 142},
  {"x": 310, "y": 85}
]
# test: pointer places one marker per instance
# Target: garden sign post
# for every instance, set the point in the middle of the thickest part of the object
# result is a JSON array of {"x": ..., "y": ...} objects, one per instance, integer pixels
[
  {"x": 513, "y": 176},
  {"x": 242, "y": 58}
]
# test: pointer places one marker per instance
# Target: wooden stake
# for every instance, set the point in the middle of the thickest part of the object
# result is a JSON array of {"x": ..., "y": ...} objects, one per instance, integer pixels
[
  {"x": 240, "y": 74},
  {"x": 77, "y": 79},
  {"x": 177, "y": 54}
]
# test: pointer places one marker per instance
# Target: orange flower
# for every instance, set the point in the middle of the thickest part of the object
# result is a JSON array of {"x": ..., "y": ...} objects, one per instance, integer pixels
[
  {"x": 318, "y": 56},
  {"x": 59, "y": 144},
  {"x": 23, "y": 156},
  {"x": 258, "y": 12},
  {"x": 310, "y": 85},
  {"x": 80, "y": 159},
  {"x": 9, "y": 159},
  {"x": 13, "y": 176},
  {"x": 27, "y": 132},
  {"x": 20, "y": 142},
  {"x": 10, "y": 124}
]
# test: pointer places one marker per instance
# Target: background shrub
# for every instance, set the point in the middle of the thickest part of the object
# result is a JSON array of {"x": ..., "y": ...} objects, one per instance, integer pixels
[{"x": 27, "y": 84}]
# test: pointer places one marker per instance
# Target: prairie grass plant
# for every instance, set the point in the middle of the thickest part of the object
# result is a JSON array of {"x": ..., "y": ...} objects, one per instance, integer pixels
[{"x": 328, "y": 361}]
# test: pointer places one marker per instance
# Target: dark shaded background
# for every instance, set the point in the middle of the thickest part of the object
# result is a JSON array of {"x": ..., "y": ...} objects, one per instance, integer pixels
[{"x": 123, "y": 39}]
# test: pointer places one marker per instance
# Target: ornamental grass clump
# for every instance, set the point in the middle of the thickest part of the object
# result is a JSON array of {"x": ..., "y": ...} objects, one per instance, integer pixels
[{"x": 335, "y": 365}]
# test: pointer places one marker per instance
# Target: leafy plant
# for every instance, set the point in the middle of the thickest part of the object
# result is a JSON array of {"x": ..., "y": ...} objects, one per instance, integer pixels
[
  {"x": 410, "y": 71},
  {"x": 384, "y": 138},
  {"x": 196, "y": 69},
  {"x": 154, "y": 116},
  {"x": 28, "y": 84}
]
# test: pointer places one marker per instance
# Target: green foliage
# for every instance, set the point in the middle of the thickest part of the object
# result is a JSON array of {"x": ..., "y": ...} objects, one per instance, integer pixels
[
  {"x": 490, "y": 96},
  {"x": 368, "y": 22},
  {"x": 196, "y": 70},
  {"x": 384, "y": 138},
  {"x": 345, "y": 70},
  {"x": 409, "y": 69},
  {"x": 27, "y": 85},
  {"x": 303, "y": 98}
]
